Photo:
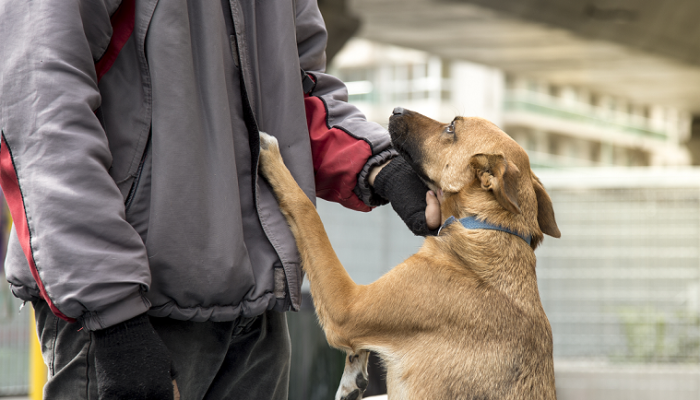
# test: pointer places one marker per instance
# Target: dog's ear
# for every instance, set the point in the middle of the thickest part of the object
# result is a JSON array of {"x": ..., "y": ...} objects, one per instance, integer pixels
[
  {"x": 545, "y": 212},
  {"x": 498, "y": 175}
]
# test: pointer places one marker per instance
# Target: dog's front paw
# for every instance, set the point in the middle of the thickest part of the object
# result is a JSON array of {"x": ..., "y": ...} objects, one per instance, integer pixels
[
  {"x": 269, "y": 154},
  {"x": 268, "y": 141},
  {"x": 354, "y": 381}
]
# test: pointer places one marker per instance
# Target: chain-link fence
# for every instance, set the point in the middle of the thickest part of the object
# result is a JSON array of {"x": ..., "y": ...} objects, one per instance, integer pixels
[
  {"x": 14, "y": 344},
  {"x": 622, "y": 285},
  {"x": 14, "y": 326},
  {"x": 623, "y": 282}
]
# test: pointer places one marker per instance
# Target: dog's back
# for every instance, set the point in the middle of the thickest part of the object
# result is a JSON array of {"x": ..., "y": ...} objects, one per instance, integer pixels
[{"x": 484, "y": 333}]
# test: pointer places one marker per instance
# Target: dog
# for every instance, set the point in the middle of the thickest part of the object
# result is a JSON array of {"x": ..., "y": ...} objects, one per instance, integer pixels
[{"x": 461, "y": 318}]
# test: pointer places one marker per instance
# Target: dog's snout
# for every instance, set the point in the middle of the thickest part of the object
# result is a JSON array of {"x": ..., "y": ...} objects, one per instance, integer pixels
[{"x": 398, "y": 111}]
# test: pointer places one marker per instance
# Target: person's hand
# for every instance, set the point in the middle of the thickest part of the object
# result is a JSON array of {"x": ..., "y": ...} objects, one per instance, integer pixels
[
  {"x": 417, "y": 206},
  {"x": 133, "y": 363},
  {"x": 433, "y": 215}
]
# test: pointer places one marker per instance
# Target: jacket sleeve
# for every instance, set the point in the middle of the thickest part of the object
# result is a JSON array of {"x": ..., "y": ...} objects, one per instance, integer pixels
[
  {"x": 88, "y": 262},
  {"x": 345, "y": 146}
]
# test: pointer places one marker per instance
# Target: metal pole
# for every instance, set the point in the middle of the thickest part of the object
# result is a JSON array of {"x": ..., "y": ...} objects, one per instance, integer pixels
[{"x": 38, "y": 372}]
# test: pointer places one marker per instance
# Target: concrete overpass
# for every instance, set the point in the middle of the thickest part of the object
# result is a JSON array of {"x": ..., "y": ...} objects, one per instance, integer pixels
[{"x": 646, "y": 50}]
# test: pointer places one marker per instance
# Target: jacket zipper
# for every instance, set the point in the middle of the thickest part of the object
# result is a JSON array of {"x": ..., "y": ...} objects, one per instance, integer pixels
[{"x": 137, "y": 178}]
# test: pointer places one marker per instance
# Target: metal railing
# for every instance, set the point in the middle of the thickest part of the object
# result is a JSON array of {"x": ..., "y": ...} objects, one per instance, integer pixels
[
  {"x": 623, "y": 282},
  {"x": 542, "y": 104},
  {"x": 622, "y": 285}
]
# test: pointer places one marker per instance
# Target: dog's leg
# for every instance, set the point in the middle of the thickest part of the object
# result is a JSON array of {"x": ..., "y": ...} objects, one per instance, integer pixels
[
  {"x": 354, "y": 381},
  {"x": 331, "y": 287}
]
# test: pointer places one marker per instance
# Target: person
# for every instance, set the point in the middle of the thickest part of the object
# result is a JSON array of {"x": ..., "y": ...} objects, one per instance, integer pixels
[{"x": 149, "y": 246}]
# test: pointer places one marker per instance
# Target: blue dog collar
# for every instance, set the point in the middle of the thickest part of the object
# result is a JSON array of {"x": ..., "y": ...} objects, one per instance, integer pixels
[{"x": 473, "y": 223}]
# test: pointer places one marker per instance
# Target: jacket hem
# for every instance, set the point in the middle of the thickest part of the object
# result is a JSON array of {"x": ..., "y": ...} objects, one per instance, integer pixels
[
  {"x": 121, "y": 311},
  {"x": 218, "y": 313}
]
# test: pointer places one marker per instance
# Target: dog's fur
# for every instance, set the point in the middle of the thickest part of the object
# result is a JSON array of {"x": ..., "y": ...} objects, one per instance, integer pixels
[{"x": 462, "y": 318}]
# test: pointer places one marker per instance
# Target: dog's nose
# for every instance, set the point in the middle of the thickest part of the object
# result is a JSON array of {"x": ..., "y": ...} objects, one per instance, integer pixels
[{"x": 398, "y": 111}]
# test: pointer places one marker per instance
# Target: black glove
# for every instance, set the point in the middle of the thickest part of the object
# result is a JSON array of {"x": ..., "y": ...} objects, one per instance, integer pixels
[
  {"x": 132, "y": 362},
  {"x": 398, "y": 183}
]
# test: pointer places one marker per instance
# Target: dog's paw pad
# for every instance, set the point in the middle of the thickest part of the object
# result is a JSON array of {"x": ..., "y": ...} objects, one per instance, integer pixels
[
  {"x": 361, "y": 382},
  {"x": 267, "y": 141}
]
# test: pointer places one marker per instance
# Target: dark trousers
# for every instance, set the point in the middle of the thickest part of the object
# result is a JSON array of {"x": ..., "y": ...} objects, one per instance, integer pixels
[{"x": 242, "y": 360}]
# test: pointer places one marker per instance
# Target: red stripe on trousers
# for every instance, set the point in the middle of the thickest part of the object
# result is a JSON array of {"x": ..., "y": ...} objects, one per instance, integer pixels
[{"x": 15, "y": 202}]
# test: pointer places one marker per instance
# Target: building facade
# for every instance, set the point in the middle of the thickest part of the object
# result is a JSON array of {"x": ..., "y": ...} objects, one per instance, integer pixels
[{"x": 559, "y": 126}]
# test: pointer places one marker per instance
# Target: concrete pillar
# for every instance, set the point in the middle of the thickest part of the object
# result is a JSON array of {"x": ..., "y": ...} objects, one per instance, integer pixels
[
  {"x": 478, "y": 90},
  {"x": 340, "y": 24}
]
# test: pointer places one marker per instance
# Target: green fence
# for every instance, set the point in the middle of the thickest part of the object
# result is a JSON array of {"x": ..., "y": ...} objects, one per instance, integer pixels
[{"x": 14, "y": 345}]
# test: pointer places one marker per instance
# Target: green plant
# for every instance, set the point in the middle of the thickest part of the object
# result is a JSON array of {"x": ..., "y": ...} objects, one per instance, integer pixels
[{"x": 656, "y": 336}]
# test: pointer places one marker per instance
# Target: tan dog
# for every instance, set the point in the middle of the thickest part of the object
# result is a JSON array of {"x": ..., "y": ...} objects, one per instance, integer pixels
[{"x": 462, "y": 318}]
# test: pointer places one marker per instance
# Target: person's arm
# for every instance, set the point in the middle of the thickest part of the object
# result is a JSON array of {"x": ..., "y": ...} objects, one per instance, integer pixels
[
  {"x": 344, "y": 144},
  {"x": 90, "y": 265},
  {"x": 348, "y": 149}
]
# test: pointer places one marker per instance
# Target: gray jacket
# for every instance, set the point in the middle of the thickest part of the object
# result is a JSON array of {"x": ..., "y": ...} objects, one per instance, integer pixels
[{"x": 139, "y": 191}]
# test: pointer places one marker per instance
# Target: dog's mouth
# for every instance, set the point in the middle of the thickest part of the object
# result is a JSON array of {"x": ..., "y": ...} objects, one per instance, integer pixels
[{"x": 407, "y": 148}]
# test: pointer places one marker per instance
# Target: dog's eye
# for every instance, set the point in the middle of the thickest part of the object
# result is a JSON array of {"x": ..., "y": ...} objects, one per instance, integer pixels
[{"x": 450, "y": 128}]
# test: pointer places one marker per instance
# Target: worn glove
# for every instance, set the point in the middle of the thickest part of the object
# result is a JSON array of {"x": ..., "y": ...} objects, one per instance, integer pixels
[
  {"x": 398, "y": 183},
  {"x": 132, "y": 362}
]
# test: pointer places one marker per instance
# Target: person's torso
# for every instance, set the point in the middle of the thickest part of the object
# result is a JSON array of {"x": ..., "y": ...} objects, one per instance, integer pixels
[{"x": 187, "y": 170}]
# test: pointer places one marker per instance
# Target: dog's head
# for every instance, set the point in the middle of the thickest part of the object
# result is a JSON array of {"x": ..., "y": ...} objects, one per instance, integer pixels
[{"x": 480, "y": 170}]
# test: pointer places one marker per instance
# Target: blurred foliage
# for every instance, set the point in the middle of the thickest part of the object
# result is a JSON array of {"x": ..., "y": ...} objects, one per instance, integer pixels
[{"x": 656, "y": 336}]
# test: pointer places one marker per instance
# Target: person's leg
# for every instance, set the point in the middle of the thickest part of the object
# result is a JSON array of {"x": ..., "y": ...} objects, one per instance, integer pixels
[
  {"x": 257, "y": 363},
  {"x": 68, "y": 352},
  {"x": 198, "y": 350},
  {"x": 241, "y": 360},
  {"x": 246, "y": 360}
]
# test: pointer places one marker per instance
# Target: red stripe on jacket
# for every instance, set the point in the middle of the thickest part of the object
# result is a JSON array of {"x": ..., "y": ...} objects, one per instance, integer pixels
[
  {"x": 15, "y": 202},
  {"x": 338, "y": 157},
  {"x": 122, "y": 28}
]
